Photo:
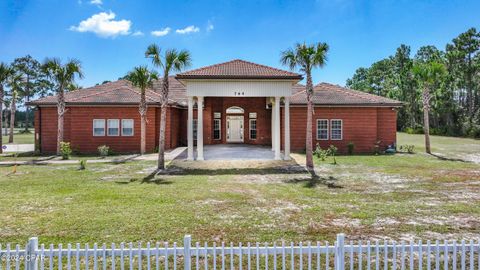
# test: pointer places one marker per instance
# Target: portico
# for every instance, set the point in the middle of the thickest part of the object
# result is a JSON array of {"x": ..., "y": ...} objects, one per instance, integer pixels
[
  {"x": 238, "y": 102},
  {"x": 250, "y": 125}
]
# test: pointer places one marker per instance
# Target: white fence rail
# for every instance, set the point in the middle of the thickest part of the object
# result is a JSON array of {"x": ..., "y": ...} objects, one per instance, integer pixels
[{"x": 464, "y": 255}]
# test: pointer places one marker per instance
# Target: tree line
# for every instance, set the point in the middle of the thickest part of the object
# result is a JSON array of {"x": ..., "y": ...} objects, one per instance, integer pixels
[{"x": 454, "y": 94}]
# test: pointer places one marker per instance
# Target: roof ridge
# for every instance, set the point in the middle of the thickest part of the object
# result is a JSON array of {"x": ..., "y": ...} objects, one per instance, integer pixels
[
  {"x": 134, "y": 89},
  {"x": 90, "y": 95},
  {"x": 265, "y": 66},
  {"x": 350, "y": 92},
  {"x": 210, "y": 66},
  {"x": 299, "y": 92},
  {"x": 242, "y": 61}
]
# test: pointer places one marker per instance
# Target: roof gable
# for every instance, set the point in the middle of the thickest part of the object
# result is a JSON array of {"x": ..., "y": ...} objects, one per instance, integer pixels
[{"x": 238, "y": 69}]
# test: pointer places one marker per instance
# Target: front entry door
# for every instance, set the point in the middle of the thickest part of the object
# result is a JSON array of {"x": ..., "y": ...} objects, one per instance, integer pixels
[{"x": 235, "y": 129}]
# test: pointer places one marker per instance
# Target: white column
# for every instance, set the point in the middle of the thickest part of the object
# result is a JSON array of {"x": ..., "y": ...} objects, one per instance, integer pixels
[
  {"x": 287, "y": 128},
  {"x": 273, "y": 124},
  {"x": 190, "y": 128},
  {"x": 277, "y": 129},
  {"x": 200, "y": 128}
]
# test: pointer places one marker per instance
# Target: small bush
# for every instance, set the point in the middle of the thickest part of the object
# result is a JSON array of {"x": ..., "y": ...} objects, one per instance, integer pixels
[
  {"x": 351, "y": 148},
  {"x": 409, "y": 148},
  {"x": 83, "y": 164},
  {"x": 332, "y": 151},
  {"x": 416, "y": 130},
  {"x": 65, "y": 150},
  {"x": 103, "y": 150},
  {"x": 320, "y": 153},
  {"x": 409, "y": 130}
]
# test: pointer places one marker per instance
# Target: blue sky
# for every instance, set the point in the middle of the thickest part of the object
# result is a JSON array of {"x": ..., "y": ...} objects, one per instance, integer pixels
[{"x": 109, "y": 37}]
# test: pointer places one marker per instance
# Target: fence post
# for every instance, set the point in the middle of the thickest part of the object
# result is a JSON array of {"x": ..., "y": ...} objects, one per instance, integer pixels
[
  {"x": 340, "y": 252},
  {"x": 31, "y": 253},
  {"x": 187, "y": 242}
]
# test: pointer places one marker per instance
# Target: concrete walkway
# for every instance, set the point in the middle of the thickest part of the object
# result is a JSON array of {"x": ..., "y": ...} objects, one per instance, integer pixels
[
  {"x": 170, "y": 155},
  {"x": 219, "y": 152}
]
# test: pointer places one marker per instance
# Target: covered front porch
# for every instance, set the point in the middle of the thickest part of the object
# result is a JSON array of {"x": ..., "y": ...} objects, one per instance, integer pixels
[
  {"x": 230, "y": 128},
  {"x": 257, "y": 91}
]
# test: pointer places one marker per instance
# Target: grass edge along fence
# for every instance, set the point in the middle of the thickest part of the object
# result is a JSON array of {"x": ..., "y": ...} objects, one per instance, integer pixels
[{"x": 464, "y": 255}]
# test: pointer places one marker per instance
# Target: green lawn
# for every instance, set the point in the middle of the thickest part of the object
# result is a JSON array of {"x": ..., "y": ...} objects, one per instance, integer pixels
[
  {"x": 397, "y": 196},
  {"x": 451, "y": 147},
  {"x": 21, "y": 138}
]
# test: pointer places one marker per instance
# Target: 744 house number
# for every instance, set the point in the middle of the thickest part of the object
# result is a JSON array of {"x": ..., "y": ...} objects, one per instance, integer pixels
[{"x": 239, "y": 93}]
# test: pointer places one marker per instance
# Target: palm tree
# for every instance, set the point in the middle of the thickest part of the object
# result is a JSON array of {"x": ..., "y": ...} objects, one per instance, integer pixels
[
  {"x": 428, "y": 74},
  {"x": 171, "y": 61},
  {"x": 305, "y": 58},
  {"x": 5, "y": 72},
  {"x": 142, "y": 78},
  {"x": 15, "y": 84},
  {"x": 63, "y": 75}
]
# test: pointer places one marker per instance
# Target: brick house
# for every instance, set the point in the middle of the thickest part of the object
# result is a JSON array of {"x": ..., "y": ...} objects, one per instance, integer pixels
[{"x": 242, "y": 102}]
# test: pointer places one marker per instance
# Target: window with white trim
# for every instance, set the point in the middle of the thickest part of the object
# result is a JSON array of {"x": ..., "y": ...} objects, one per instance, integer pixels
[
  {"x": 253, "y": 129},
  {"x": 336, "y": 128},
  {"x": 217, "y": 124},
  {"x": 113, "y": 127},
  {"x": 127, "y": 127},
  {"x": 322, "y": 129},
  {"x": 194, "y": 128},
  {"x": 98, "y": 127}
]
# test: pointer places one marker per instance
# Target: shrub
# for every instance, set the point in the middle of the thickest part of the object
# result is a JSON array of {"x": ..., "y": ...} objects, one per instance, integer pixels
[
  {"x": 471, "y": 130},
  {"x": 409, "y": 148},
  {"x": 332, "y": 151},
  {"x": 351, "y": 148},
  {"x": 409, "y": 130},
  {"x": 320, "y": 153},
  {"x": 103, "y": 150},
  {"x": 65, "y": 150},
  {"x": 376, "y": 148},
  {"x": 83, "y": 164}
]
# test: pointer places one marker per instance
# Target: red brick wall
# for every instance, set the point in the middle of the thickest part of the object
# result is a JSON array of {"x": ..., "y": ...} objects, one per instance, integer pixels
[
  {"x": 362, "y": 126},
  {"x": 48, "y": 131},
  {"x": 79, "y": 129},
  {"x": 387, "y": 126},
  {"x": 36, "y": 125},
  {"x": 359, "y": 126}
]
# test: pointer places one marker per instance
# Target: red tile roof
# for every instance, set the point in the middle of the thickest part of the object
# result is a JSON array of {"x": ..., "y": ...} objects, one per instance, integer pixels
[
  {"x": 238, "y": 69},
  {"x": 335, "y": 95},
  {"x": 120, "y": 92}
]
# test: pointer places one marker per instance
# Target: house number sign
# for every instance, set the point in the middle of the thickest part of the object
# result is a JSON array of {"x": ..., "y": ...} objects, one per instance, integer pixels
[{"x": 239, "y": 93}]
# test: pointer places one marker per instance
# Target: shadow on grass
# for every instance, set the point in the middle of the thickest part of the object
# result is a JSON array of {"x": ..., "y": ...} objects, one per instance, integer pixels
[
  {"x": 449, "y": 159},
  {"x": 150, "y": 179},
  {"x": 124, "y": 160},
  {"x": 315, "y": 180},
  {"x": 240, "y": 171}
]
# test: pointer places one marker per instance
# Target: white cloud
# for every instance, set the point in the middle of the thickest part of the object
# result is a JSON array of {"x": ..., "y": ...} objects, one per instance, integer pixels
[
  {"x": 188, "y": 30},
  {"x": 209, "y": 26},
  {"x": 103, "y": 25},
  {"x": 138, "y": 33},
  {"x": 96, "y": 2},
  {"x": 161, "y": 32}
]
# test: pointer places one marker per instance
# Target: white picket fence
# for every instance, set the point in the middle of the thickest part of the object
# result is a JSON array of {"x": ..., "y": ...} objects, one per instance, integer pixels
[{"x": 464, "y": 255}]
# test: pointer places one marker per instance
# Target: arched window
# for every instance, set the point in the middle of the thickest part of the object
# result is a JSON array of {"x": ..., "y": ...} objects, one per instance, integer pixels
[{"x": 235, "y": 109}]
